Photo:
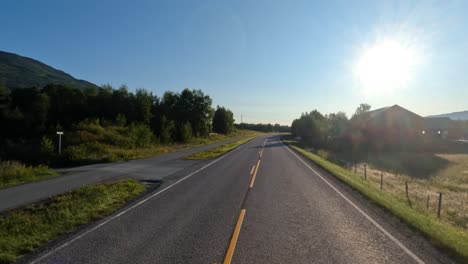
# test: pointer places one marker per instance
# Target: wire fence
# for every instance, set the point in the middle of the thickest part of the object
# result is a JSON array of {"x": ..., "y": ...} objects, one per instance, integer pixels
[{"x": 421, "y": 195}]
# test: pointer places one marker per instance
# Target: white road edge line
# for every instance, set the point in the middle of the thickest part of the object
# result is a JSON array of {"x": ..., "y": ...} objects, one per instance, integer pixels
[
  {"x": 386, "y": 233},
  {"x": 127, "y": 210}
]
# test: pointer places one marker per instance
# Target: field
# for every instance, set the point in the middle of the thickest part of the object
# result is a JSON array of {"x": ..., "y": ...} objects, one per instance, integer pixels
[
  {"x": 448, "y": 176},
  {"x": 423, "y": 192},
  {"x": 24, "y": 229}
]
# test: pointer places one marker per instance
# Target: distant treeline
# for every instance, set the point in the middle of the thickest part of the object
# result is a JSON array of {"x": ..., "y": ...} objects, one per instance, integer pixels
[
  {"x": 359, "y": 134},
  {"x": 29, "y": 114},
  {"x": 264, "y": 127}
]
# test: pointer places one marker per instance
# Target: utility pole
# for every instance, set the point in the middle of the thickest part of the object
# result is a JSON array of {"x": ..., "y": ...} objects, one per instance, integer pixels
[
  {"x": 60, "y": 133},
  {"x": 241, "y": 119}
]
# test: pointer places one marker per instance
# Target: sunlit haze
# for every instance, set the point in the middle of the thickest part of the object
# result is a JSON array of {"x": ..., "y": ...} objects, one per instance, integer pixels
[
  {"x": 265, "y": 60},
  {"x": 385, "y": 67}
]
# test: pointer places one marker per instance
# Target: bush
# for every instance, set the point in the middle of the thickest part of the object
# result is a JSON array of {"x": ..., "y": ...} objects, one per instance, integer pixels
[
  {"x": 185, "y": 132},
  {"x": 141, "y": 135},
  {"x": 46, "y": 148},
  {"x": 166, "y": 131},
  {"x": 120, "y": 120}
]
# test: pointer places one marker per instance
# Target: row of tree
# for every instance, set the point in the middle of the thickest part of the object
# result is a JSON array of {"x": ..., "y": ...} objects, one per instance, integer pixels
[
  {"x": 264, "y": 127},
  {"x": 27, "y": 114},
  {"x": 333, "y": 131},
  {"x": 361, "y": 134}
]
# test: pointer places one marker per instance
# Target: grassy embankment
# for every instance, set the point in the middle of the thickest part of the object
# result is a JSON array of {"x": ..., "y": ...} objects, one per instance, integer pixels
[
  {"x": 14, "y": 173},
  {"x": 442, "y": 232},
  {"x": 93, "y": 143},
  {"x": 24, "y": 229},
  {"x": 218, "y": 151}
]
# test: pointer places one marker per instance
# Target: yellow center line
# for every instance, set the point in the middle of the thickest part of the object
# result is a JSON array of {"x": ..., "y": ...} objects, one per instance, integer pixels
[
  {"x": 261, "y": 153},
  {"x": 254, "y": 174},
  {"x": 235, "y": 236},
  {"x": 252, "y": 170}
]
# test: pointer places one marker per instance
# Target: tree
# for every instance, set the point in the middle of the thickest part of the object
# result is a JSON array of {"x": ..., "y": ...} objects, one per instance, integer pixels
[
  {"x": 141, "y": 104},
  {"x": 337, "y": 126},
  {"x": 185, "y": 132},
  {"x": 34, "y": 107},
  {"x": 67, "y": 105},
  {"x": 312, "y": 127},
  {"x": 358, "y": 134},
  {"x": 223, "y": 121},
  {"x": 5, "y": 101},
  {"x": 362, "y": 108},
  {"x": 191, "y": 106}
]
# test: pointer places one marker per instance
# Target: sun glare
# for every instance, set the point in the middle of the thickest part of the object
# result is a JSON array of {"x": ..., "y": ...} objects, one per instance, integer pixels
[{"x": 385, "y": 67}]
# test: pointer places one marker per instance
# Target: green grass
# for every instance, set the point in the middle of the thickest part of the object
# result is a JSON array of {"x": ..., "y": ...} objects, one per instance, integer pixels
[
  {"x": 24, "y": 229},
  {"x": 443, "y": 235},
  {"x": 218, "y": 151},
  {"x": 101, "y": 151},
  {"x": 14, "y": 173}
]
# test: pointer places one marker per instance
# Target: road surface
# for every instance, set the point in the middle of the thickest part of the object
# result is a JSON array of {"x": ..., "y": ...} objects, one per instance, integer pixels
[
  {"x": 260, "y": 203},
  {"x": 148, "y": 169}
]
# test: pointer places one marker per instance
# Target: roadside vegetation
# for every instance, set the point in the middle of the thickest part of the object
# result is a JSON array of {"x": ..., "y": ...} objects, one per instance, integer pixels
[
  {"x": 111, "y": 143},
  {"x": 104, "y": 124},
  {"x": 218, "y": 151},
  {"x": 14, "y": 173},
  {"x": 24, "y": 229}
]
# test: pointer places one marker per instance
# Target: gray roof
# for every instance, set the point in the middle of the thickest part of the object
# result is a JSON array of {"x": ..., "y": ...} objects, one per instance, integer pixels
[{"x": 378, "y": 112}]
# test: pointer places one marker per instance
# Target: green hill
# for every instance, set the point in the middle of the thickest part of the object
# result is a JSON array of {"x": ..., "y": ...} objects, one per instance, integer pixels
[{"x": 19, "y": 72}]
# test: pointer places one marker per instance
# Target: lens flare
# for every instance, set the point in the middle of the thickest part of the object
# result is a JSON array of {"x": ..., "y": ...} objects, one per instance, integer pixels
[{"x": 386, "y": 66}]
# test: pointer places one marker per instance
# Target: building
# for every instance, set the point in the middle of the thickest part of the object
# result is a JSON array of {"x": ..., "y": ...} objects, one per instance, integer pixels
[
  {"x": 438, "y": 127},
  {"x": 393, "y": 126}
]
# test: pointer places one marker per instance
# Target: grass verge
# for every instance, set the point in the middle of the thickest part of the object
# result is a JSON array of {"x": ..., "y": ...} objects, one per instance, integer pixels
[
  {"x": 451, "y": 239},
  {"x": 24, "y": 229},
  {"x": 14, "y": 173},
  {"x": 218, "y": 151},
  {"x": 95, "y": 151}
]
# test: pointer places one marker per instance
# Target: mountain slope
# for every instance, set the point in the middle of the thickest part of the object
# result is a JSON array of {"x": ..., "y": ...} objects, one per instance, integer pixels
[
  {"x": 19, "y": 72},
  {"x": 463, "y": 115}
]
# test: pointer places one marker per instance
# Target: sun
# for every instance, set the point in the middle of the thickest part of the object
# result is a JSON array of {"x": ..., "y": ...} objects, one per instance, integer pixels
[{"x": 385, "y": 66}]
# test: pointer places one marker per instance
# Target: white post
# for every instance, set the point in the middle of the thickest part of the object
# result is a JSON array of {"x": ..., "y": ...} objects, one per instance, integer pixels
[{"x": 60, "y": 133}]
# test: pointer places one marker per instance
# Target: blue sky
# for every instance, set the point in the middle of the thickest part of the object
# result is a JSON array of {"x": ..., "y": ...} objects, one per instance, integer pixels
[{"x": 267, "y": 60}]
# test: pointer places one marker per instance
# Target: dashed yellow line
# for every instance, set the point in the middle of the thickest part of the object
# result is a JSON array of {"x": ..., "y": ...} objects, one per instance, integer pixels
[
  {"x": 254, "y": 174},
  {"x": 235, "y": 236}
]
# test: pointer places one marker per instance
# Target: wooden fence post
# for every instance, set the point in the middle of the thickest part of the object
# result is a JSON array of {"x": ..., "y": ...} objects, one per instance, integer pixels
[
  {"x": 407, "y": 194},
  {"x": 365, "y": 172},
  {"x": 440, "y": 205},
  {"x": 381, "y": 180},
  {"x": 427, "y": 203}
]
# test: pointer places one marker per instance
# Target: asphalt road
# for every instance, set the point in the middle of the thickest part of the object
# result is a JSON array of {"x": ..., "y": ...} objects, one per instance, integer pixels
[
  {"x": 148, "y": 169},
  {"x": 285, "y": 210}
]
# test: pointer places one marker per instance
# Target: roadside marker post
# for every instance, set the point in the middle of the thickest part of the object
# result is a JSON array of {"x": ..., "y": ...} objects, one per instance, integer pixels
[{"x": 60, "y": 133}]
